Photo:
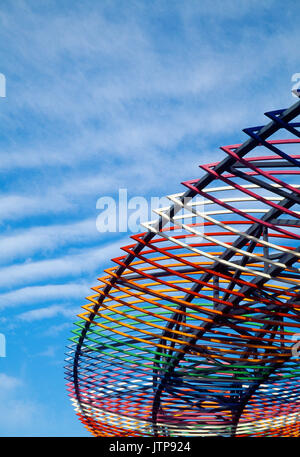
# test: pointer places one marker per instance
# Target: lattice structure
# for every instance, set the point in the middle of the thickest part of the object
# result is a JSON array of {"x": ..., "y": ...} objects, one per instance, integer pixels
[{"x": 193, "y": 331}]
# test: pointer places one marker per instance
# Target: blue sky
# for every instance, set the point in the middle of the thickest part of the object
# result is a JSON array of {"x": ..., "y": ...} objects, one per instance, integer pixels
[{"x": 101, "y": 96}]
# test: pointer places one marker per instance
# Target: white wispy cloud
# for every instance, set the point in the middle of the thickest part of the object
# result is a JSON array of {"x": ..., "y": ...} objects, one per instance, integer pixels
[
  {"x": 87, "y": 91},
  {"x": 140, "y": 114},
  {"x": 42, "y": 294},
  {"x": 37, "y": 239},
  {"x": 48, "y": 313},
  {"x": 55, "y": 330},
  {"x": 8, "y": 383},
  {"x": 77, "y": 264},
  {"x": 17, "y": 412},
  {"x": 14, "y": 206}
]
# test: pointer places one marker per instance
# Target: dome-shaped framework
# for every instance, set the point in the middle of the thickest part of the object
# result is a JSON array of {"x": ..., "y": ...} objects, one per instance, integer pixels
[{"x": 194, "y": 331}]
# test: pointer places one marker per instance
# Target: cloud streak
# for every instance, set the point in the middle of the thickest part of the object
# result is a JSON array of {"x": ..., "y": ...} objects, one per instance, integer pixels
[
  {"x": 47, "y": 313},
  {"x": 25, "y": 243},
  {"x": 42, "y": 294},
  {"x": 70, "y": 266}
]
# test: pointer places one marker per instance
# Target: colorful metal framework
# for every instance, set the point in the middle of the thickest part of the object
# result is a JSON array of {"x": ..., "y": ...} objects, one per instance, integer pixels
[{"x": 194, "y": 331}]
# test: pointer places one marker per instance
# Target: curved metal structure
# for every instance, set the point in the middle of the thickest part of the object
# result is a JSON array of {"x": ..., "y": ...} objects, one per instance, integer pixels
[{"x": 194, "y": 331}]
